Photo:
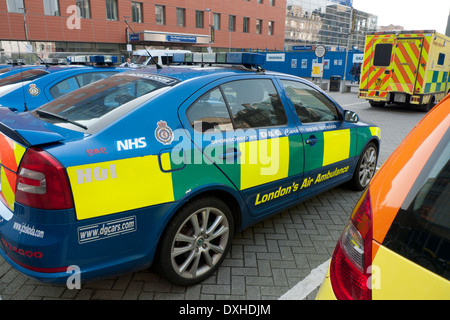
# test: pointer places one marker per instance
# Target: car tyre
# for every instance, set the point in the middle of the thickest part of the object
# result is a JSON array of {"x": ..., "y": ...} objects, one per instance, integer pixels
[
  {"x": 427, "y": 106},
  {"x": 377, "y": 104},
  {"x": 365, "y": 168},
  {"x": 196, "y": 241}
]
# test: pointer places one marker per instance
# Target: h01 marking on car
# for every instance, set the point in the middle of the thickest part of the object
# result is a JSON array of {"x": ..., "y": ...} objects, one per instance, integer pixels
[{"x": 111, "y": 182}]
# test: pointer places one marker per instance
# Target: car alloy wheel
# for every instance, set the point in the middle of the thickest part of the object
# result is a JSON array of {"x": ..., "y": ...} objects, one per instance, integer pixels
[
  {"x": 197, "y": 241},
  {"x": 367, "y": 166}
]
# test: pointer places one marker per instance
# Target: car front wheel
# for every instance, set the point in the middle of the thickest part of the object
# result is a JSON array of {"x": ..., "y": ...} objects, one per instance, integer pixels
[
  {"x": 366, "y": 167},
  {"x": 196, "y": 241}
]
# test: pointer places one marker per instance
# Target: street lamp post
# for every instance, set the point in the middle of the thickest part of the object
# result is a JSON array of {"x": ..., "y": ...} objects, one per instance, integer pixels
[
  {"x": 25, "y": 11},
  {"x": 348, "y": 45},
  {"x": 209, "y": 29}
]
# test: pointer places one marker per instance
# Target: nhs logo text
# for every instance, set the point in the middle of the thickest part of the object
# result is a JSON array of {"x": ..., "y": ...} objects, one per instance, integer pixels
[{"x": 130, "y": 144}]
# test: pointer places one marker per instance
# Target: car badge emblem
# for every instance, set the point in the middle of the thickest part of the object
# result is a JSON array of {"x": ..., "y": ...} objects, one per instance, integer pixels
[
  {"x": 33, "y": 90},
  {"x": 163, "y": 133}
]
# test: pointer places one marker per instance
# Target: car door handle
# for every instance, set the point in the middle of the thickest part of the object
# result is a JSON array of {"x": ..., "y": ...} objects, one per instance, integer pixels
[{"x": 312, "y": 140}]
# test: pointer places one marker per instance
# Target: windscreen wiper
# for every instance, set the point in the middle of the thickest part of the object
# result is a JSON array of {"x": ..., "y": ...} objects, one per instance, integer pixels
[{"x": 57, "y": 116}]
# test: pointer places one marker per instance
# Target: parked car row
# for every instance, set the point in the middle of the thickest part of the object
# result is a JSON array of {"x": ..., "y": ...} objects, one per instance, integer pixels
[{"x": 115, "y": 169}]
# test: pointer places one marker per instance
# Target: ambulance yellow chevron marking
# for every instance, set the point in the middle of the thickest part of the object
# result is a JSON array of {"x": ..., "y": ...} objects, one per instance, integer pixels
[
  {"x": 406, "y": 60},
  {"x": 11, "y": 154}
]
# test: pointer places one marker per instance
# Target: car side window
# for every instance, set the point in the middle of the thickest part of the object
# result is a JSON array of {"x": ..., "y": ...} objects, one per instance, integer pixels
[
  {"x": 254, "y": 103},
  {"x": 88, "y": 78},
  {"x": 210, "y": 112},
  {"x": 63, "y": 87},
  {"x": 76, "y": 82},
  {"x": 310, "y": 105}
]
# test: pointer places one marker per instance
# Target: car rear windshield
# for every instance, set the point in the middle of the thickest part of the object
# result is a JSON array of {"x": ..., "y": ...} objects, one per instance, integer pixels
[
  {"x": 27, "y": 75},
  {"x": 109, "y": 98}
]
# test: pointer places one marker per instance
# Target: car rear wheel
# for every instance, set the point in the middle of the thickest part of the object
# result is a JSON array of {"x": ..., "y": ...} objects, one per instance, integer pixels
[
  {"x": 196, "y": 241},
  {"x": 377, "y": 104},
  {"x": 366, "y": 167},
  {"x": 428, "y": 106}
]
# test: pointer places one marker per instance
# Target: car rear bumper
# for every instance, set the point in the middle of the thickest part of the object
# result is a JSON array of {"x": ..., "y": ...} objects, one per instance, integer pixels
[
  {"x": 47, "y": 251},
  {"x": 326, "y": 290}
]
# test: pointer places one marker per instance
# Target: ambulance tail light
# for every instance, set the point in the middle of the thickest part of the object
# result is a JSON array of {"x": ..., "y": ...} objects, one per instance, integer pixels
[
  {"x": 349, "y": 270},
  {"x": 42, "y": 182}
]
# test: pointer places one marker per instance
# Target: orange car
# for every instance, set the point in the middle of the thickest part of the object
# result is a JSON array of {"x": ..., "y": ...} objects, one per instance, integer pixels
[{"x": 397, "y": 242}]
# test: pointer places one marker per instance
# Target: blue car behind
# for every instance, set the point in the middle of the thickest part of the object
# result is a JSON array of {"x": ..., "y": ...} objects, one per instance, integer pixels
[{"x": 27, "y": 88}]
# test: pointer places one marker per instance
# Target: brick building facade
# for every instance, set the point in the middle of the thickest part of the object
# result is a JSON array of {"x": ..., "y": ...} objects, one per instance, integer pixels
[{"x": 55, "y": 26}]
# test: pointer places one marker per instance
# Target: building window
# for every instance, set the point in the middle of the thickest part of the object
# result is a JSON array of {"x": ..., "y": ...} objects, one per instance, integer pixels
[
  {"x": 111, "y": 10},
  {"x": 216, "y": 21},
  {"x": 181, "y": 17},
  {"x": 51, "y": 8},
  {"x": 85, "y": 8},
  {"x": 15, "y": 6},
  {"x": 246, "y": 25},
  {"x": 258, "y": 26},
  {"x": 199, "y": 19},
  {"x": 271, "y": 24},
  {"x": 136, "y": 11},
  {"x": 272, "y": 3},
  {"x": 160, "y": 15},
  {"x": 232, "y": 23},
  {"x": 260, "y": 1}
]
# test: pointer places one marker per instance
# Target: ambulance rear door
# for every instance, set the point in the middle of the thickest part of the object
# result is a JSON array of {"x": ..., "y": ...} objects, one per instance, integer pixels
[
  {"x": 382, "y": 48},
  {"x": 406, "y": 64}
]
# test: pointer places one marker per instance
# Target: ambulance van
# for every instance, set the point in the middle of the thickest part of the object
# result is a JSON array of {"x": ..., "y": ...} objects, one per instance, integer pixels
[{"x": 407, "y": 67}]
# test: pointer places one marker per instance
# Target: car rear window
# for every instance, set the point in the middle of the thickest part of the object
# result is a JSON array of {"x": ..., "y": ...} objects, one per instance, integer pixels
[
  {"x": 27, "y": 75},
  {"x": 254, "y": 103},
  {"x": 4, "y": 70},
  {"x": 421, "y": 229},
  {"x": 115, "y": 95}
]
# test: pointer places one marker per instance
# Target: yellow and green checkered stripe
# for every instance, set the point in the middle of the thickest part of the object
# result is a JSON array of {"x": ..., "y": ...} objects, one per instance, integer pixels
[
  {"x": 436, "y": 81},
  {"x": 114, "y": 186}
]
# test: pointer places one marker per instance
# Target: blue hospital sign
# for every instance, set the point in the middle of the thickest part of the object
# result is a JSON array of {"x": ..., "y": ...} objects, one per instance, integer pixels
[{"x": 188, "y": 39}]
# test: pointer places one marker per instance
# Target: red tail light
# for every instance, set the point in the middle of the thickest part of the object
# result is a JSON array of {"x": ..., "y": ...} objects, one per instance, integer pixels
[
  {"x": 42, "y": 182},
  {"x": 353, "y": 255}
]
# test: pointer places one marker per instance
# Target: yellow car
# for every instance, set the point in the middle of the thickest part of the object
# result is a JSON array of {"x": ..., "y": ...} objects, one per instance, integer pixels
[{"x": 397, "y": 242}]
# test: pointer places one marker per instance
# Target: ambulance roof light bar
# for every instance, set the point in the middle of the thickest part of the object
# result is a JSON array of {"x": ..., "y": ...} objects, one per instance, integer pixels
[
  {"x": 95, "y": 59},
  {"x": 55, "y": 61},
  {"x": 235, "y": 58}
]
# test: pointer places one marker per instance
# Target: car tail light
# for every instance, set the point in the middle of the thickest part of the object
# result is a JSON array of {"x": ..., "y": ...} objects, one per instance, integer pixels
[
  {"x": 42, "y": 182},
  {"x": 349, "y": 270}
]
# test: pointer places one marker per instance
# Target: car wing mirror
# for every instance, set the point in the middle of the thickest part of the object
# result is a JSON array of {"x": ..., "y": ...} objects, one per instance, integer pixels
[{"x": 350, "y": 116}]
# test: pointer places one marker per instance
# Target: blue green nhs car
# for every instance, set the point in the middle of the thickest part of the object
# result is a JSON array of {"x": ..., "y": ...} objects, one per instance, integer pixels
[{"x": 163, "y": 166}]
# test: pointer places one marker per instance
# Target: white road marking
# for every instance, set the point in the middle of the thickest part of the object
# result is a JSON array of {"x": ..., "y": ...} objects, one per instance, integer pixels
[
  {"x": 353, "y": 104},
  {"x": 302, "y": 289}
]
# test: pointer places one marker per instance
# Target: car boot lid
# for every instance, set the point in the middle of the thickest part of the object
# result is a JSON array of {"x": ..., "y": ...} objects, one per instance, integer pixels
[{"x": 28, "y": 130}]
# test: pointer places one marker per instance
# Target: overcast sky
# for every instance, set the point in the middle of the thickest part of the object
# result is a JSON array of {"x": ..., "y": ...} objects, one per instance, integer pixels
[{"x": 411, "y": 14}]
